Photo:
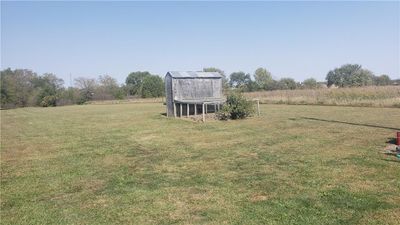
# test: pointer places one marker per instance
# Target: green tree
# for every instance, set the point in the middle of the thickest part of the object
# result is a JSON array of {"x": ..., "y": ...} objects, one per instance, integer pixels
[
  {"x": 310, "y": 83},
  {"x": 262, "y": 77},
  {"x": 287, "y": 84},
  {"x": 382, "y": 80},
  {"x": 17, "y": 88},
  {"x": 134, "y": 82},
  {"x": 152, "y": 86},
  {"x": 239, "y": 79},
  {"x": 8, "y": 95},
  {"x": 361, "y": 77},
  {"x": 21, "y": 87},
  {"x": 48, "y": 88},
  {"x": 349, "y": 75},
  {"x": 251, "y": 86},
  {"x": 273, "y": 85}
]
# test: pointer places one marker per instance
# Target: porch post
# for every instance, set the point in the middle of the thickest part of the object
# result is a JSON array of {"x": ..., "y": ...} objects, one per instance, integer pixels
[
  {"x": 174, "y": 109},
  {"x": 204, "y": 118}
]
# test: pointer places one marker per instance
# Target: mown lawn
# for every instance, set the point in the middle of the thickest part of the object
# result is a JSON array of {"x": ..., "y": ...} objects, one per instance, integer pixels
[{"x": 128, "y": 164}]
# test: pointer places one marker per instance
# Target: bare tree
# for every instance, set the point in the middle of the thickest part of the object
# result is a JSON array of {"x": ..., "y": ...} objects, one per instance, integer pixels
[
  {"x": 108, "y": 88},
  {"x": 87, "y": 87}
]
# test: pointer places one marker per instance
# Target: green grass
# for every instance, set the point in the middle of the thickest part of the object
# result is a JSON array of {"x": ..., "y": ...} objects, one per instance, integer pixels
[{"x": 128, "y": 164}]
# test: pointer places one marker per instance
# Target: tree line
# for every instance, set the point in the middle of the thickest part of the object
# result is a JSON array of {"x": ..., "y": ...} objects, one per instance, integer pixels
[
  {"x": 348, "y": 75},
  {"x": 22, "y": 87}
]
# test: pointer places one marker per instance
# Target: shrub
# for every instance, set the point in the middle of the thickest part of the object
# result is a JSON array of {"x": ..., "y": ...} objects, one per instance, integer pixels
[
  {"x": 224, "y": 113},
  {"x": 236, "y": 107},
  {"x": 48, "y": 101}
]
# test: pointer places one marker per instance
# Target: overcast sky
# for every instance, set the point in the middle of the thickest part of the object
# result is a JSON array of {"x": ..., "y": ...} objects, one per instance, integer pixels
[{"x": 290, "y": 39}]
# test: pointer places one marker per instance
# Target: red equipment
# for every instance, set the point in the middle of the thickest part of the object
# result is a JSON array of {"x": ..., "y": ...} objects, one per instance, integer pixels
[{"x": 398, "y": 138}]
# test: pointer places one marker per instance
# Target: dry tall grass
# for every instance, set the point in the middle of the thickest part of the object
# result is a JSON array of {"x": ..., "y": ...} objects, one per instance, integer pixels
[
  {"x": 373, "y": 96},
  {"x": 127, "y": 101}
]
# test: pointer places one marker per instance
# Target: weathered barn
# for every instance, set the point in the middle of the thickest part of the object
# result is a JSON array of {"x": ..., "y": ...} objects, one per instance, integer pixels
[{"x": 192, "y": 93}]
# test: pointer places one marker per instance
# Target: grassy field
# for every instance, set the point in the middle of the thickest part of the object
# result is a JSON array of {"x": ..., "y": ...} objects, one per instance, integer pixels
[
  {"x": 373, "y": 96},
  {"x": 128, "y": 164}
]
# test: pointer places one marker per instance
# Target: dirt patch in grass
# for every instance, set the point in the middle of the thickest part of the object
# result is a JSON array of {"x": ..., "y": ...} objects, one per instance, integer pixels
[{"x": 259, "y": 197}]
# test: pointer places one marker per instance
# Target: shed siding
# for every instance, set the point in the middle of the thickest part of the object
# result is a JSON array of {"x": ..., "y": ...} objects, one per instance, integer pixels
[
  {"x": 169, "y": 96},
  {"x": 201, "y": 88},
  {"x": 206, "y": 87}
]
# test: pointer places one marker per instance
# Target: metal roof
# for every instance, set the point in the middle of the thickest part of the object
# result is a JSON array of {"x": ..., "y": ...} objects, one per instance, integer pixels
[{"x": 193, "y": 74}]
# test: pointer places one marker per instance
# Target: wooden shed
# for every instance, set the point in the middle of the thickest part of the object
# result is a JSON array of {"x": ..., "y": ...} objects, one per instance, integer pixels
[{"x": 193, "y": 93}]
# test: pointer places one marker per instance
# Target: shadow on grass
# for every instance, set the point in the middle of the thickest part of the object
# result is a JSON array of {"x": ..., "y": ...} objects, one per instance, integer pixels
[
  {"x": 350, "y": 123},
  {"x": 391, "y": 141},
  {"x": 391, "y": 160}
]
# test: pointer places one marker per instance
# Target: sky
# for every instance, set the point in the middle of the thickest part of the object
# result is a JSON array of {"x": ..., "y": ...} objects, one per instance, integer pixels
[{"x": 290, "y": 39}]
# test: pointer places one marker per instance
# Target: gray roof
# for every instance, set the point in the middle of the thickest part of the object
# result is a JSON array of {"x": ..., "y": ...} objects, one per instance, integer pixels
[{"x": 193, "y": 74}]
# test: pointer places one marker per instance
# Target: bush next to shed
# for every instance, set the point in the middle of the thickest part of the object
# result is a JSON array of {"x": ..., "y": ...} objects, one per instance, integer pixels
[{"x": 236, "y": 107}]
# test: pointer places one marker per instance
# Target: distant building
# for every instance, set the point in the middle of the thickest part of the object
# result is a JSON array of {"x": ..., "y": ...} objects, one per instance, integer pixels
[{"x": 192, "y": 93}]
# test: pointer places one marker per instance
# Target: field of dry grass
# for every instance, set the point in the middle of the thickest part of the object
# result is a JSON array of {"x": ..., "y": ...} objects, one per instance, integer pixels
[
  {"x": 129, "y": 164},
  {"x": 374, "y": 96},
  {"x": 127, "y": 101}
]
